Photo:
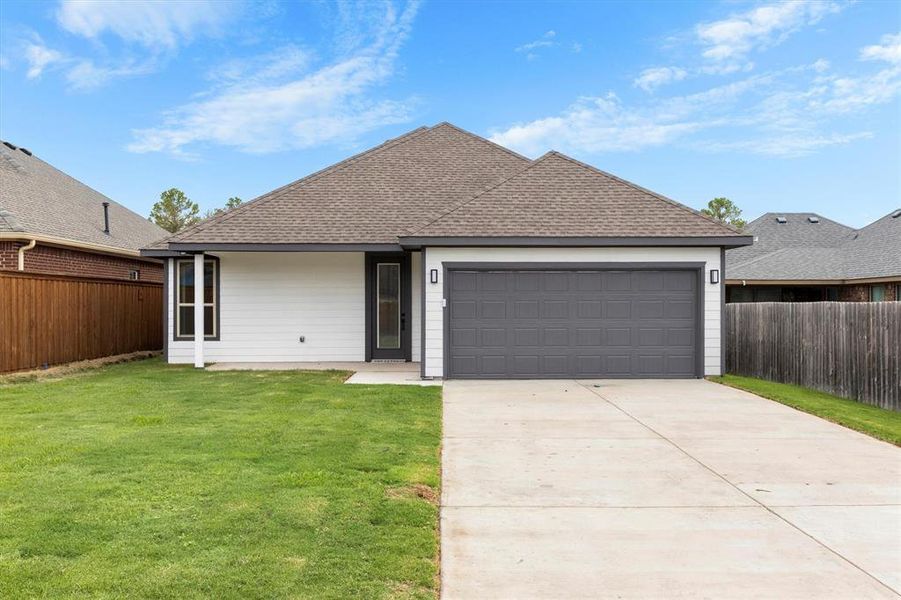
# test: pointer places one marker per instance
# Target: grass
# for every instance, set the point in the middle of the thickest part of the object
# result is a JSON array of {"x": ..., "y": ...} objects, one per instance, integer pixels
[
  {"x": 876, "y": 422},
  {"x": 156, "y": 481}
]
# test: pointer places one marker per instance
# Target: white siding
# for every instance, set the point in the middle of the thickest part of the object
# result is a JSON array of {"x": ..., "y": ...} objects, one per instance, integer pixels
[
  {"x": 268, "y": 300},
  {"x": 435, "y": 257}
]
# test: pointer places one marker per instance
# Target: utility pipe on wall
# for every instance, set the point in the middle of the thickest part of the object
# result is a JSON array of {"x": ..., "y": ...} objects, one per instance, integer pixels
[{"x": 22, "y": 251}]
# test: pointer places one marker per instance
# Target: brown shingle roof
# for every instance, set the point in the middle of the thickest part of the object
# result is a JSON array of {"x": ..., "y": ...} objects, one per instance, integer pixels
[
  {"x": 371, "y": 198},
  {"x": 37, "y": 198},
  {"x": 443, "y": 181},
  {"x": 557, "y": 196}
]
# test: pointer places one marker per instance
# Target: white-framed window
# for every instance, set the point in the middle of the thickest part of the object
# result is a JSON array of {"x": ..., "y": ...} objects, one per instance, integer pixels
[{"x": 184, "y": 299}]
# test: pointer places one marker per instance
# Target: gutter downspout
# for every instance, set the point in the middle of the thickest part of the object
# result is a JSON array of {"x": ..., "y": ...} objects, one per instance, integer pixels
[{"x": 22, "y": 251}]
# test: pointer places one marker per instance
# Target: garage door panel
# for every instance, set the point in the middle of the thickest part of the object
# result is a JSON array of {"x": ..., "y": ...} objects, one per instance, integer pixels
[
  {"x": 554, "y": 309},
  {"x": 649, "y": 281},
  {"x": 676, "y": 365},
  {"x": 463, "y": 309},
  {"x": 526, "y": 337},
  {"x": 494, "y": 337},
  {"x": 493, "y": 282},
  {"x": 651, "y": 337},
  {"x": 556, "y": 281},
  {"x": 463, "y": 337},
  {"x": 680, "y": 337},
  {"x": 675, "y": 281},
  {"x": 526, "y": 365},
  {"x": 679, "y": 309},
  {"x": 493, "y": 309},
  {"x": 618, "y": 309},
  {"x": 555, "y": 336},
  {"x": 619, "y": 336},
  {"x": 617, "y": 281},
  {"x": 523, "y": 323},
  {"x": 649, "y": 309},
  {"x": 494, "y": 365},
  {"x": 526, "y": 309},
  {"x": 555, "y": 364},
  {"x": 589, "y": 309},
  {"x": 651, "y": 364},
  {"x": 588, "y": 337}
]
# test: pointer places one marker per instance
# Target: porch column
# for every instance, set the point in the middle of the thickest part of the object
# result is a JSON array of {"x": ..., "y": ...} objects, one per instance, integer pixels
[{"x": 198, "y": 310}]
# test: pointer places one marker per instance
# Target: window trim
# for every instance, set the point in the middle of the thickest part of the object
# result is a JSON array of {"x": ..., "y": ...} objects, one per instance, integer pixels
[{"x": 175, "y": 301}]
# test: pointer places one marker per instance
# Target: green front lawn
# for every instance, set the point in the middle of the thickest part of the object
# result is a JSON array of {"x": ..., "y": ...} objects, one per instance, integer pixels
[
  {"x": 871, "y": 420},
  {"x": 148, "y": 480}
]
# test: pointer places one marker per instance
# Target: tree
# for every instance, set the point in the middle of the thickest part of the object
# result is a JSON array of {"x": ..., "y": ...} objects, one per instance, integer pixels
[
  {"x": 722, "y": 209},
  {"x": 174, "y": 211},
  {"x": 233, "y": 202}
]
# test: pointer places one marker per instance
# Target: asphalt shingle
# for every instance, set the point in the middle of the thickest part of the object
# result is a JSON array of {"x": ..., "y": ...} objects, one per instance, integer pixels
[
  {"x": 801, "y": 250},
  {"x": 444, "y": 181},
  {"x": 38, "y": 198}
]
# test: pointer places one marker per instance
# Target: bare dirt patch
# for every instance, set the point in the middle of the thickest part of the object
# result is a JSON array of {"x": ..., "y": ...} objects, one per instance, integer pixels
[
  {"x": 72, "y": 368},
  {"x": 417, "y": 490}
]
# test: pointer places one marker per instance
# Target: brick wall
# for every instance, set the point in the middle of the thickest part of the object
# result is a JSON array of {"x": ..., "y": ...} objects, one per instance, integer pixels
[
  {"x": 50, "y": 259},
  {"x": 854, "y": 293},
  {"x": 861, "y": 293}
]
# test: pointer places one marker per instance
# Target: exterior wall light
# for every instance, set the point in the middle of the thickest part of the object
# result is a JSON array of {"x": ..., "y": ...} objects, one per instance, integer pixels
[
  {"x": 433, "y": 275},
  {"x": 714, "y": 276}
]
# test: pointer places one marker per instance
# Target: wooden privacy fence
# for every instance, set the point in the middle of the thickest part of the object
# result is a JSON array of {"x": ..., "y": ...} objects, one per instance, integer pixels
[
  {"x": 53, "y": 319},
  {"x": 850, "y": 349}
]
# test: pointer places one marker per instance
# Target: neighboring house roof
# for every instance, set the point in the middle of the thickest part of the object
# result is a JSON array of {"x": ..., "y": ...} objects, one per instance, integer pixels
[
  {"x": 39, "y": 199},
  {"x": 808, "y": 247},
  {"x": 443, "y": 181}
]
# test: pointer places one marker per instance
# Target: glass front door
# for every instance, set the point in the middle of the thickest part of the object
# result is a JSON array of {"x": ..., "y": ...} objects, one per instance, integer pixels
[
  {"x": 389, "y": 298},
  {"x": 387, "y": 323}
]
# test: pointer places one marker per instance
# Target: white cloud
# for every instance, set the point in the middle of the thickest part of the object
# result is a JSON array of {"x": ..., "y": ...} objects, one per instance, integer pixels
[
  {"x": 792, "y": 112},
  {"x": 789, "y": 146},
  {"x": 651, "y": 79},
  {"x": 272, "y": 108},
  {"x": 733, "y": 38},
  {"x": 889, "y": 50},
  {"x": 86, "y": 75},
  {"x": 39, "y": 57},
  {"x": 544, "y": 41},
  {"x": 595, "y": 124},
  {"x": 153, "y": 24}
]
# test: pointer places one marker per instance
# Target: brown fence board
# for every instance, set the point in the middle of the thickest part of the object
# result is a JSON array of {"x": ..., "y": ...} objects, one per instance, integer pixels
[
  {"x": 850, "y": 349},
  {"x": 54, "y": 319}
]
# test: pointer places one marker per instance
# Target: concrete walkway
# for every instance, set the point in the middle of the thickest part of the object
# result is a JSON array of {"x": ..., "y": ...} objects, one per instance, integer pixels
[{"x": 660, "y": 489}]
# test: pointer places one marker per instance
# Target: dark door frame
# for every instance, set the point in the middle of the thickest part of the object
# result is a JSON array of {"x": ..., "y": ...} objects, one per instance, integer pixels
[
  {"x": 697, "y": 267},
  {"x": 406, "y": 304}
]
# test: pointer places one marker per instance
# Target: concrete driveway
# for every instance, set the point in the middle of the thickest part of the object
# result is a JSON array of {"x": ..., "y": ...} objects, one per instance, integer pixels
[{"x": 660, "y": 489}]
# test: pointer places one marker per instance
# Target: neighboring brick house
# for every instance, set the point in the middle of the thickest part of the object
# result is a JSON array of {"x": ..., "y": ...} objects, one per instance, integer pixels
[
  {"x": 803, "y": 257},
  {"x": 52, "y": 223}
]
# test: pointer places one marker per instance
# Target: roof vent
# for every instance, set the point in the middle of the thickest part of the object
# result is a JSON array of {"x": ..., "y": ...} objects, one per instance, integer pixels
[
  {"x": 813, "y": 219},
  {"x": 781, "y": 220},
  {"x": 26, "y": 151},
  {"x": 896, "y": 214},
  {"x": 8, "y": 145}
]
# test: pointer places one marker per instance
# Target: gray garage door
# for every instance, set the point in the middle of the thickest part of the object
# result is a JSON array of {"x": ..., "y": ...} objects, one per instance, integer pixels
[{"x": 572, "y": 323}]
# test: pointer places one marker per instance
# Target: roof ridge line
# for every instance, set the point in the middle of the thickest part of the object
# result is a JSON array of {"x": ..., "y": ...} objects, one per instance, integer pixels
[
  {"x": 483, "y": 139},
  {"x": 647, "y": 191},
  {"x": 279, "y": 191},
  {"x": 479, "y": 194}
]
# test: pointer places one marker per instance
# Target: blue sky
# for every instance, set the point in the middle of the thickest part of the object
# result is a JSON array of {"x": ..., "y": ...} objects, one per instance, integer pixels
[{"x": 779, "y": 106}]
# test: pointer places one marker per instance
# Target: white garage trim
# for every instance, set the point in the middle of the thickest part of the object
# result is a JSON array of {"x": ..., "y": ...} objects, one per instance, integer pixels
[{"x": 436, "y": 257}]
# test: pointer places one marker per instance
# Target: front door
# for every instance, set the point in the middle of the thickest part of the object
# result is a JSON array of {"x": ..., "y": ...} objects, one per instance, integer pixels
[{"x": 389, "y": 307}]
